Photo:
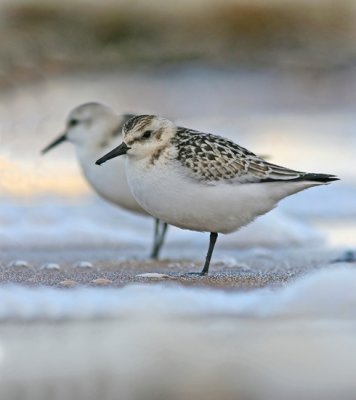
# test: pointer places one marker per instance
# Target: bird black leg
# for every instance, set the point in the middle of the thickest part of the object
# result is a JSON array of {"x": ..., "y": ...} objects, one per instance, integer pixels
[
  {"x": 158, "y": 240},
  {"x": 213, "y": 237},
  {"x": 161, "y": 238},
  {"x": 205, "y": 270}
]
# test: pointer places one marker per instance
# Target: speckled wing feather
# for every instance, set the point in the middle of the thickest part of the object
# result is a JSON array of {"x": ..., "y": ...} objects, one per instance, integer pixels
[{"x": 211, "y": 158}]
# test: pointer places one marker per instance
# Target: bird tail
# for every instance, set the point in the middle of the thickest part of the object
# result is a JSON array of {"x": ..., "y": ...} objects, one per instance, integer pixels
[{"x": 320, "y": 178}]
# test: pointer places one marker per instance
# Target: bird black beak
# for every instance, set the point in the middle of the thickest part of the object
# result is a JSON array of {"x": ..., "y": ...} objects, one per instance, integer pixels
[
  {"x": 56, "y": 142},
  {"x": 118, "y": 151}
]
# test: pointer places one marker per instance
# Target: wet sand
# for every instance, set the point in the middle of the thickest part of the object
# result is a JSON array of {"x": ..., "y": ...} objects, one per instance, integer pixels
[{"x": 239, "y": 269}]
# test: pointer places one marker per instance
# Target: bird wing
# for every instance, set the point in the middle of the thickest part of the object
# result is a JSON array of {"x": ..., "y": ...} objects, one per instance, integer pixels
[{"x": 210, "y": 158}]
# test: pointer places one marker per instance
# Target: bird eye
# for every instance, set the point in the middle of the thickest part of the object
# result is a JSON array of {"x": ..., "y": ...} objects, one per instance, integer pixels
[
  {"x": 147, "y": 134},
  {"x": 73, "y": 122}
]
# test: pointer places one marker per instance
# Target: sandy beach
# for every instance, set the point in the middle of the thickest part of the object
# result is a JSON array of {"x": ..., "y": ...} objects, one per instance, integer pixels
[{"x": 255, "y": 270}]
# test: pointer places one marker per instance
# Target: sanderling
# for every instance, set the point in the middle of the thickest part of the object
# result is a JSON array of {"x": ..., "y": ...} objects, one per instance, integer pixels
[
  {"x": 200, "y": 181},
  {"x": 94, "y": 129}
]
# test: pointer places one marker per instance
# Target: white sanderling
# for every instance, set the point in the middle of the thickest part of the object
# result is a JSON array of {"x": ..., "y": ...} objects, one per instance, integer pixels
[
  {"x": 94, "y": 129},
  {"x": 200, "y": 181}
]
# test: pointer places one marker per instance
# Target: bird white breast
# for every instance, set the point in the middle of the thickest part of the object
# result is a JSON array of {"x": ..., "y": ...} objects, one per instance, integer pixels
[
  {"x": 165, "y": 191},
  {"x": 108, "y": 180}
]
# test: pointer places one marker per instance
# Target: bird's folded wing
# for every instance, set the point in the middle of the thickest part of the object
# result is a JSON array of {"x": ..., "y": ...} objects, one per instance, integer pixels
[{"x": 211, "y": 158}]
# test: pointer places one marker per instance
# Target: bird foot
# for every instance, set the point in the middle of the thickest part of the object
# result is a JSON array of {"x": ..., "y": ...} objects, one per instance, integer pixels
[{"x": 196, "y": 273}]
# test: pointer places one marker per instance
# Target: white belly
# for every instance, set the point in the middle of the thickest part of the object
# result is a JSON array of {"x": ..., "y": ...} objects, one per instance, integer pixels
[
  {"x": 172, "y": 197},
  {"x": 109, "y": 180}
]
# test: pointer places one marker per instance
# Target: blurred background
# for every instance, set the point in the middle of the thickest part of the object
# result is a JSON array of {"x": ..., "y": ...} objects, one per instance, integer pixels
[{"x": 276, "y": 76}]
